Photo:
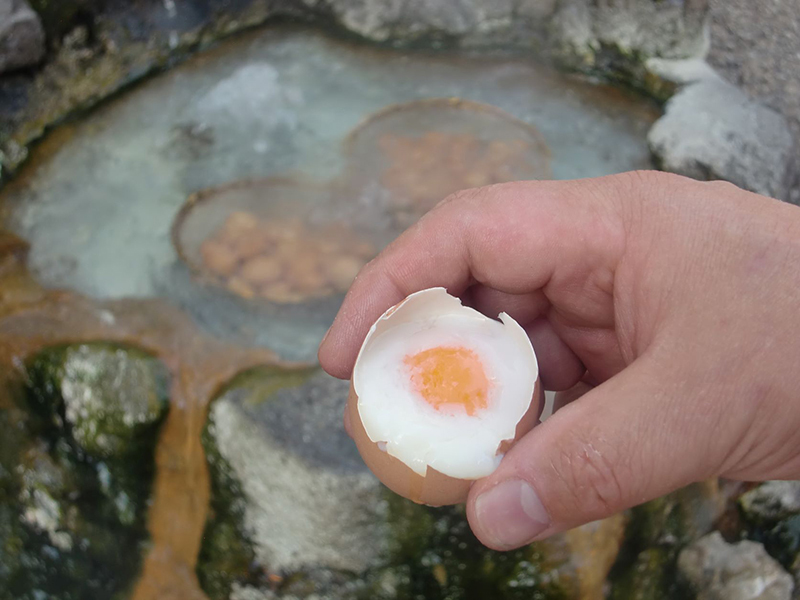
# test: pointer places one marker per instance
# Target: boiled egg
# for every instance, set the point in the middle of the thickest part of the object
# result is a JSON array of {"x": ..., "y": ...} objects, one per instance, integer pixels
[{"x": 439, "y": 392}]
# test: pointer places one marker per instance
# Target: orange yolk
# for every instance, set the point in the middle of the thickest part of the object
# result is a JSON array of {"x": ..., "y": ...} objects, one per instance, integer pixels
[{"x": 449, "y": 377}]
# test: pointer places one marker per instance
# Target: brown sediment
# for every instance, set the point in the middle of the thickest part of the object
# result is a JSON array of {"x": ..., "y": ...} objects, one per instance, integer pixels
[
  {"x": 594, "y": 549},
  {"x": 32, "y": 318}
]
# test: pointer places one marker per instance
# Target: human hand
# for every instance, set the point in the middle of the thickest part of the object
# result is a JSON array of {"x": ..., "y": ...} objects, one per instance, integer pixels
[{"x": 679, "y": 299}]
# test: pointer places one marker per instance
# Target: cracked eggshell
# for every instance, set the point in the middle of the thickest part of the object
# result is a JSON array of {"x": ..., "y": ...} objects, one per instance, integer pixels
[{"x": 433, "y": 488}]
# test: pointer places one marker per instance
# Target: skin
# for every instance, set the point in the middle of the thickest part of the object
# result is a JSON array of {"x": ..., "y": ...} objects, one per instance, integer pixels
[{"x": 679, "y": 301}]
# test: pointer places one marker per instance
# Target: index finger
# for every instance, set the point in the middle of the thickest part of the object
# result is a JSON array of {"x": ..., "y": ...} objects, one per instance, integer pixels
[{"x": 517, "y": 238}]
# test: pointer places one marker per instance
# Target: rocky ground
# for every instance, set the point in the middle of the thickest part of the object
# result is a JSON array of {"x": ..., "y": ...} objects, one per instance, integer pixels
[
  {"x": 293, "y": 512},
  {"x": 76, "y": 464},
  {"x": 756, "y": 45}
]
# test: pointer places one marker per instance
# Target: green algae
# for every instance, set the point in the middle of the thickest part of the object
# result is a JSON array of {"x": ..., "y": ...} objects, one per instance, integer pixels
[
  {"x": 656, "y": 533},
  {"x": 72, "y": 515},
  {"x": 434, "y": 555},
  {"x": 227, "y": 554}
]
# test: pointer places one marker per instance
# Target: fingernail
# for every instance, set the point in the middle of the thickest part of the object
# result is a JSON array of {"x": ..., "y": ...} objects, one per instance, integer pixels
[{"x": 511, "y": 513}]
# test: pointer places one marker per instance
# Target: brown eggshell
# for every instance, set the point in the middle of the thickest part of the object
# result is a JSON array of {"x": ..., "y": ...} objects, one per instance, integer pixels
[{"x": 435, "y": 488}]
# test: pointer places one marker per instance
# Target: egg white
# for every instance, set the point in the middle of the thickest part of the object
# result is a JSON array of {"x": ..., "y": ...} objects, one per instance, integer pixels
[{"x": 411, "y": 430}]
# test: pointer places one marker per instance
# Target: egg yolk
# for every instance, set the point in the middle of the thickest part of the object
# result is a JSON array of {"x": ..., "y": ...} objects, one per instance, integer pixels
[{"x": 449, "y": 377}]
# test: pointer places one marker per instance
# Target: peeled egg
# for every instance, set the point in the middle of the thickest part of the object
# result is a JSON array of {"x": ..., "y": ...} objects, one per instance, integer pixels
[{"x": 439, "y": 392}]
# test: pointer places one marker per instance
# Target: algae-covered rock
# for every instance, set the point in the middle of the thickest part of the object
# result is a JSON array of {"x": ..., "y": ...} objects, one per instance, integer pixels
[
  {"x": 75, "y": 483},
  {"x": 108, "y": 397},
  {"x": 771, "y": 501},
  {"x": 771, "y": 514},
  {"x": 296, "y": 514},
  {"x": 657, "y": 531}
]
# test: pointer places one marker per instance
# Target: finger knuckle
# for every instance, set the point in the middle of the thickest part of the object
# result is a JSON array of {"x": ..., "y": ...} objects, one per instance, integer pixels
[{"x": 592, "y": 475}]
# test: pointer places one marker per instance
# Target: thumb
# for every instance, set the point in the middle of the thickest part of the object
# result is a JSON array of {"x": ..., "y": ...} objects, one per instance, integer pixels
[{"x": 625, "y": 442}]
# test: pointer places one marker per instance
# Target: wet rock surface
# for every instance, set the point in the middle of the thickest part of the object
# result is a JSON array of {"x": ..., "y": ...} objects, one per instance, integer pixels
[
  {"x": 717, "y": 570},
  {"x": 22, "y": 41},
  {"x": 76, "y": 468},
  {"x": 295, "y": 514}
]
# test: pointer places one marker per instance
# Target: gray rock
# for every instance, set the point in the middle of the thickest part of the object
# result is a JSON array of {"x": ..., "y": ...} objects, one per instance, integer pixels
[
  {"x": 717, "y": 570},
  {"x": 712, "y": 130},
  {"x": 772, "y": 501},
  {"x": 682, "y": 71},
  {"x": 299, "y": 515},
  {"x": 382, "y": 20},
  {"x": 631, "y": 31},
  {"x": 536, "y": 9},
  {"x": 22, "y": 39},
  {"x": 290, "y": 496}
]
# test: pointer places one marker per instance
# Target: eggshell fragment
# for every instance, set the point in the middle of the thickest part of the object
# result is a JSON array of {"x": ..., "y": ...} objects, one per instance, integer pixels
[
  {"x": 435, "y": 488},
  {"x": 424, "y": 484}
]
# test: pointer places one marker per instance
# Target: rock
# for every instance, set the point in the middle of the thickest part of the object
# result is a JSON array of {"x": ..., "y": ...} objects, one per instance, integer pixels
[
  {"x": 619, "y": 36},
  {"x": 22, "y": 41},
  {"x": 109, "y": 394},
  {"x": 783, "y": 543},
  {"x": 712, "y": 130},
  {"x": 418, "y": 19},
  {"x": 60, "y": 16},
  {"x": 131, "y": 39},
  {"x": 717, "y": 570},
  {"x": 678, "y": 518},
  {"x": 683, "y": 71},
  {"x": 73, "y": 509},
  {"x": 651, "y": 576},
  {"x": 582, "y": 32},
  {"x": 536, "y": 9},
  {"x": 772, "y": 501},
  {"x": 658, "y": 530},
  {"x": 296, "y": 514}
]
